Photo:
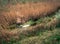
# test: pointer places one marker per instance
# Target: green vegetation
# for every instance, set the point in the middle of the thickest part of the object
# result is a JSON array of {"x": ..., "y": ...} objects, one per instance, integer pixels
[
  {"x": 47, "y": 37},
  {"x": 5, "y": 2}
]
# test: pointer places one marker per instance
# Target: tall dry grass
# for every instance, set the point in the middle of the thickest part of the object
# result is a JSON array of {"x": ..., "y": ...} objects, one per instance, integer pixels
[
  {"x": 34, "y": 10},
  {"x": 7, "y": 18},
  {"x": 25, "y": 12}
]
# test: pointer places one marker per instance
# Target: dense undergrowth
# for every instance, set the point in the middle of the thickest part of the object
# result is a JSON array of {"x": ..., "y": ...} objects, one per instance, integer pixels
[
  {"x": 45, "y": 30},
  {"x": 47, "y": 35}
]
